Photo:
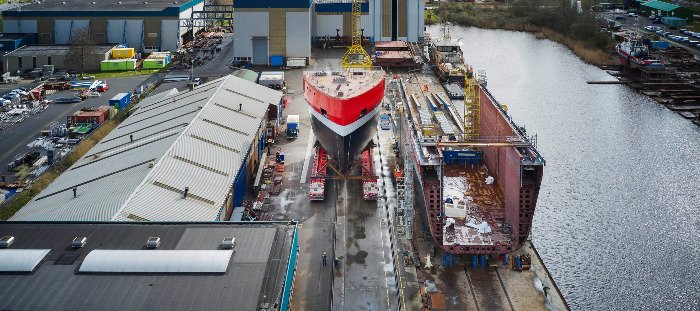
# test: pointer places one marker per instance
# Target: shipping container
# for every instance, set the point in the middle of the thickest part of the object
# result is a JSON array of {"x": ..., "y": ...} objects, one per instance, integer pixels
[
  {"x": 95, "y": 116},
  {"x": 120, "y": 101},
  {"x": 123, "y": 53},
  {"x": 276, "y": 61},
  {"x": 462, "y": 157},
  {"x": 157, "y": 60},
  {"x": 659, "y": 45},
  {"x": 118, "y": 64}
]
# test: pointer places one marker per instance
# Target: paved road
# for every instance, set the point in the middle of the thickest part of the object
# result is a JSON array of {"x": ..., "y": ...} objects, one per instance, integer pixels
[{"x": 14, "y": 139}]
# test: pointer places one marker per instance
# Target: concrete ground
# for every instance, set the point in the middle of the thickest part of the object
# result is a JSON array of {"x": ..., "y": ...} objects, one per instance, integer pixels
[{"x": 14, "y": 139}]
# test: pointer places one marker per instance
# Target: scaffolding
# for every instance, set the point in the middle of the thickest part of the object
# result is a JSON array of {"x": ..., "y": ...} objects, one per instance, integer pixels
[{"x": 472, "y": 107}]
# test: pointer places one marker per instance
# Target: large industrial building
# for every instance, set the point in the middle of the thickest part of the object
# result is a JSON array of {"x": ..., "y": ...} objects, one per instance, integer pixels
[
  {"x": 147, "y": 266},
  {"x": 265, "y": 28},
  {"x": 262, "y": 28},
  {"x": 36, "y": 56},
  {"x": 184, "y": 156},
  {"x": 151, "y": 25}
]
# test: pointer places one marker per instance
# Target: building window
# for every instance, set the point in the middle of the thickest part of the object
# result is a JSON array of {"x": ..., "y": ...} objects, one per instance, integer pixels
[
  {"x": 19, "y": 62},
  {"x": 48, "y": 60},
  {"x": 33, "y": 61}
]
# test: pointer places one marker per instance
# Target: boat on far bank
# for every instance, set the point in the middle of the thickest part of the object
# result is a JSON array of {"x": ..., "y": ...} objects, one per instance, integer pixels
[{"x": 634, "y": 53}]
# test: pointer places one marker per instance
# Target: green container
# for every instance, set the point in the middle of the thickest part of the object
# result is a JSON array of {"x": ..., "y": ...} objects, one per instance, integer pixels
[
  {"x": 118, "y": 65},
  {"x": 154, "y": 63}
]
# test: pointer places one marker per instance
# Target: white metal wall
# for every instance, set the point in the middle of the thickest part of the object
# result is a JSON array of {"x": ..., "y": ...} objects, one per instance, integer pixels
[
  {"x": 412, "y": 26},
  {"x": 421, "y": 19},
  {"x": 298, "y": 28},
  {"x": 169, "y": 35},
  {"x": 368, "y": 25},
  {"x": 375, "y": 11},
  {"x": 62, "y": 29},
  {"x": 326, "y": 25},
  {"x": 19, "y": 26},
  {"x": 249, "y": 25}
]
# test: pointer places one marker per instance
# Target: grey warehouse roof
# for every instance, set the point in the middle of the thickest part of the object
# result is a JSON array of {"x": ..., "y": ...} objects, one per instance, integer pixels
[
  {"x": 255, "y": 274},
  {"x": 100, "y": 5},
  {"x": 197, "y": 139},
  {"x": 34, "y": 50}
]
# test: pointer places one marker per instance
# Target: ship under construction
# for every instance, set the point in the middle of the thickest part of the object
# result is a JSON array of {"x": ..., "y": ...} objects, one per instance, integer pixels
[{"x": 478, "y": 174}]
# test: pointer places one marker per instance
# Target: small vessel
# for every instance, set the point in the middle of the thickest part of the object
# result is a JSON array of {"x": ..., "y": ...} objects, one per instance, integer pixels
[
  {"x": 445, "y": 54},
  {"x": 634, "y": 52},
  {"x": 344, "y": 105}
]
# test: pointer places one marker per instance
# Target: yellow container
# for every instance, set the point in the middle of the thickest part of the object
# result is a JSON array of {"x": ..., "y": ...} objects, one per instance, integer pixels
[{"x": 123, "y": 53}]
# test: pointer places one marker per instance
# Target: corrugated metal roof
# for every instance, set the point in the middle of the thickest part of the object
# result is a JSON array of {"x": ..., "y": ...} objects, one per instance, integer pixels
[
  {"x": 660, "y": 5},
  {"x": 196, "y": 139}
]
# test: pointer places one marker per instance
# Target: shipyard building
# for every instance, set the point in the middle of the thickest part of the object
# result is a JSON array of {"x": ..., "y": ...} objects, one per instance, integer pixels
[
  {"x": 151, "y": 25},
  {"x": 179, "y": 156},
  {"x": 263, "y": 29},
  {"x": 147, "y": 266},
  {"x": 268, "y": 28}
]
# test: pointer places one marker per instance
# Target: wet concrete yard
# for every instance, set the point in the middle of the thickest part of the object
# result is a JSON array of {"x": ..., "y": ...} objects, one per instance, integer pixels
[{"x": 358, "y": 233}]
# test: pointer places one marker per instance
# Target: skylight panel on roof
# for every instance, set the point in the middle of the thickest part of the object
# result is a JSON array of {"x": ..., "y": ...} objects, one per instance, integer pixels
[{"x": 156, "y": 261}]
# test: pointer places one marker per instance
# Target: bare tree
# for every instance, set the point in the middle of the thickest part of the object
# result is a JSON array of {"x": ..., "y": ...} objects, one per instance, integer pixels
[{"x": 82, "y": 50}]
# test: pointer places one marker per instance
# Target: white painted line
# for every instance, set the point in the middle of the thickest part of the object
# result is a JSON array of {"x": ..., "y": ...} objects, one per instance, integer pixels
[{"x": 309, "y": 147}]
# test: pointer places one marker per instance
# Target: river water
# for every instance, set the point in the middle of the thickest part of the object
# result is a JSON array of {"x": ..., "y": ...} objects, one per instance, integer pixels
[{"x": 618, "y": 218}]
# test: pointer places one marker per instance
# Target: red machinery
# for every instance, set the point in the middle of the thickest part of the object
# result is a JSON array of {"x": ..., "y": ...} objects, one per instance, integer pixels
[
  {"x": 317, "y": 190},
  {"x": 370, "y": 191}
]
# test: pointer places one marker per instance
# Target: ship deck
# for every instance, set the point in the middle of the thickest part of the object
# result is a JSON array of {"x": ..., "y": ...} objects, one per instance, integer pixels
[
  {"x": 431, "y": 109},
  {"x": 344, "y": 84},
  {"x": 477, "y": 208}
]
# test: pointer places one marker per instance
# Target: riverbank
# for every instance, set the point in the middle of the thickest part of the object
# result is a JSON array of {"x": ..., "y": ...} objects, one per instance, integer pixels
[{"x": 594, "y": 50}]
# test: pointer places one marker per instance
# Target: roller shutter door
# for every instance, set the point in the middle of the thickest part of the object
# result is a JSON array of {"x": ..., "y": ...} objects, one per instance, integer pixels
[
  {"x": 260, "y": 52},
  {"x": 64, "y": 29},
  {"x": 19, "y": 26},
  {"x": 129, "y": 32},
  {"x": 169, "y": 35},
  {"x": 134, "y": 34}
]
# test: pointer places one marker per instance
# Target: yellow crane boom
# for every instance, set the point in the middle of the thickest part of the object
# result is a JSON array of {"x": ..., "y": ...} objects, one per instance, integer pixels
[{"x": 356, "y": 56}]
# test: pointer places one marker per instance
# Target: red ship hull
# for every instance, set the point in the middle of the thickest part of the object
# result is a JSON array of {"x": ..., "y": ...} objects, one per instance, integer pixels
[{"x": 344, "y": 127}]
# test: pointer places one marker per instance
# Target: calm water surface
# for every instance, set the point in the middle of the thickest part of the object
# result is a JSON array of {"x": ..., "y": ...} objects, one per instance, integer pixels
[{"x": 618, "y": 218}]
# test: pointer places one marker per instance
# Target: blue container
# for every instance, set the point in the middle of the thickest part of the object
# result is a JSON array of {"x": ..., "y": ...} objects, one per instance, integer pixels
[
  {"x": 276, "y": 61},
  {"x": 659, "y": 45},
  {"x": 462, "y": 157},
  {"x": 120, "y": 101}
]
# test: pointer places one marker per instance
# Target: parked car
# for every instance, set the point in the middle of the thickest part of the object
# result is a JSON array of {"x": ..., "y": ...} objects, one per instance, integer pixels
[
  {"x": 93, "y": 94},
  {"x": 620, "y": 18},
  {"x": 631, "y": 14},
  {"x": 652, "y": 17},
  {"x": 102, "y": 88},
  {"x": 656, "y": 21}
]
